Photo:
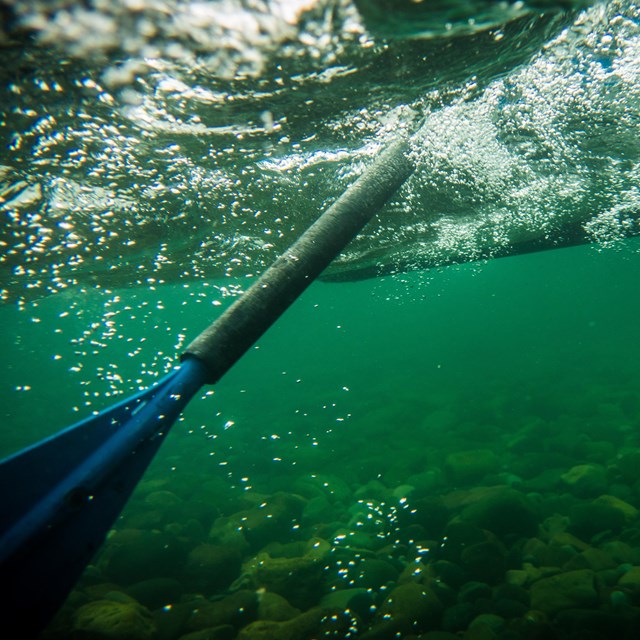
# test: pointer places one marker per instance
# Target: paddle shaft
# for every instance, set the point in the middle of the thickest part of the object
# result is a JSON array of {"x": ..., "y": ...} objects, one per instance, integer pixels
[
  {"x": 222, "y": 344},
  {"x": 49, "y": 533}
]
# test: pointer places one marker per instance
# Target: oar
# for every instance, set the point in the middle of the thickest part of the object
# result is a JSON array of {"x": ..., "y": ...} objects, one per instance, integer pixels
[{"x": 61, "y": 496}]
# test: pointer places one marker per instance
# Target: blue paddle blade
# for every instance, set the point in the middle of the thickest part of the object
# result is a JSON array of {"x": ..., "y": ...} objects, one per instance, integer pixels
[{"x": 62, "y": 495}]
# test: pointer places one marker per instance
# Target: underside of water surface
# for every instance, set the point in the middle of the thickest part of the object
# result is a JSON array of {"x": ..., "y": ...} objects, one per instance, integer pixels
[
  {"x": 441, "y": 438},
  {"x": 199, "y": 146}
]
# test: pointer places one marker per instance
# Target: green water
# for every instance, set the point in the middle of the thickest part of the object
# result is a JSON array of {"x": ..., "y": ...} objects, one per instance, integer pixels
[
  {"x": 442, "y": 434},
  {"x": 362, "y": 385},
  {"x": 549, "y": 336}
]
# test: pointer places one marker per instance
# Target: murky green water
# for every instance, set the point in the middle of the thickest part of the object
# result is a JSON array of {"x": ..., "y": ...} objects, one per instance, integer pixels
[
  {"x": 408, "y": 417},
  {"x": 517, "y": 332}
]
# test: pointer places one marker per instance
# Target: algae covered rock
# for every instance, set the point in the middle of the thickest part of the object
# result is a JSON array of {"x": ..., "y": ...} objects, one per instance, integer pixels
[
  {"x": 630, "y": 582},
  {"x": 225, "y": 531},
  {"x": 430, "y": 513},
  {"x": 458, "y": 536},
  {"x": 485, "y": 561},
  {"x": 569, "y": 590},
  {"x": 504, "y": 513},
  {"x": 629, "y": 512},
  {"x": 598, "y": 560},
  {"x": 273, "y": 519},
  {"x": 132, "y": 555},
  {"x": 586, "y": 480},
  {"x": 162, "y": 499},
  {"x": 317, "y": 509},
  {"x": 468, "y": 466},
  {"x": 172, "y": 621},
  {"x": 628, "y": 464},
  {"x": 359, "y": 600},
  {"x": 332, "y": 487},
  {"x": 458, "y": 616},
  {"x": 449, "y": 573},
  {"x": 593, "y": 623},
  {"x": 368, "y": 573},
  {"x": 409, "y": 608},
  {"x": 113, "y": 620},
  {"x": 621, "y": 552},
  {"x": 485, "y": 626},
  {"x": 313, "y": 624},
  {"x": 223, "y": 632},
  {"x": 299, "y": 580},
  {"x": 272, "y": 606},
  {"x": 156, "y": 592},
  {"x": 236, "y": 609},
  {"x": 213, "y": 567},
  {"x": 589, "y": 519},
  {"x": 474, "y": 590}
]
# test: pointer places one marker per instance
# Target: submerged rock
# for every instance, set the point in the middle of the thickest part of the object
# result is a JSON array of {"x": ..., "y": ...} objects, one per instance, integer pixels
[
  {"x": 237, "y": 609},
  {"x": 299, "y": 579},
  {"x": 331, "y": 487},
  {"x": 468, "y": 466},
  {"x": 213, "y": 567},
  {"x": 630, "y": 583},
  {"x": 112, "y": 620},
  {"x": 315, "y": 623},
  {"x": 563, "y": 549},
  {"x": 449, "y": 573},
  {"x": 225, "y": 531},
  {"x": 598, "y": 560},
  {"x": 485, "y": 561},
  {"x": 457, "y": 617},
  {"x": 132, "y": 555},
  {"x": 368, "y": 573},
  {"x": 317, "y": 509},
  {"x": 629, "y": 512},
  {"x": 156, "y": 592},
  {"x": 273, "y": 519},
  {"x": 223, "y": 632},
  {"x": 628, "y": 463},
  {"x": 474, "y": 590},
  {"x": 488, "y": 620},
  {"x": 590, "y": 623},
  {"x": 408, "y": 608},
  {"x": 162, "y": 499},
  {"x": 172, "y": 621},
  {"x": 374, "y": 489},
  {"x": 569, "y": 590},
  {"x": 272, "y": 606},
  {"x": 458, "y": 536},
  {"x": 621, "y": 552},
  {"x": 510, "y": 608},
  {"x": 586, "y": 480},
  {"x": 358, "y": 600},
  {"x": 589, "y": 519},
  {"x": 430, "y": 513},
  {"x": 535, "y": 550},
  {"x": 504, "y": 513}
]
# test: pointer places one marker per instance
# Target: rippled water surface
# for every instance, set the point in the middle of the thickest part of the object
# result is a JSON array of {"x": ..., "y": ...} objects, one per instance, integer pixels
[
  {"x": 207, "y": 162},
  {"x": 157, "y": 156}
]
